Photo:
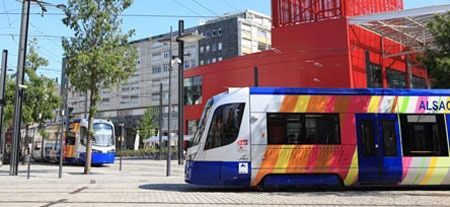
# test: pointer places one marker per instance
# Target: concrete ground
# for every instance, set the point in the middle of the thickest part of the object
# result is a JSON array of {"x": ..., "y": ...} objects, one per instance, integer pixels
[{"x": 143, "y": 183}]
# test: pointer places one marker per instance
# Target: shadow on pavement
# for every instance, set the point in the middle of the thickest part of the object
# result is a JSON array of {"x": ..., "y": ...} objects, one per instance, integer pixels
[
  {"x": 442, "y": 191},
  {"x": 172, "y": 187}
]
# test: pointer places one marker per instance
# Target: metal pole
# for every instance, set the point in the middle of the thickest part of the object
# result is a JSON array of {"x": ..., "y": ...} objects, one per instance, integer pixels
[
  {"x": 85, "y": 104},
  {"x": 169, "y": 151},
  {"x": 160, "y": 119},
  {"x": 180, "y": 92},
  {"x": 18, "y": 91},
  {"x": 122, "y": 131},
  {"x": 409, "y": 72},
  {"x": 28, "y": 161},
  {"x": 64, "y": 113},
  {"x": 256, "y": 76},
  {"x": 3, "y": 101}
]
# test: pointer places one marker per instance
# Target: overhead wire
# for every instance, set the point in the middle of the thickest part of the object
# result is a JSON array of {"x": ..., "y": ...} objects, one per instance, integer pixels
[
  {"x": 206, "y": 8},
  {"x": 230, "y": 5},
  {"x": 6, "y": 13},
  {"x": 127, "y": 15},
  {"x": 186, "y": 7}
]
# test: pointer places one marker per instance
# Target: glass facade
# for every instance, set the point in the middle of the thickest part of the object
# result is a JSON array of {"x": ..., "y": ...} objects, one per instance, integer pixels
[
  {"x": 418, "y": 82},
  {"x": 374, "y": 78},
  {"x": 396, "y": 79},
  {"x": 193, "y": 90}
]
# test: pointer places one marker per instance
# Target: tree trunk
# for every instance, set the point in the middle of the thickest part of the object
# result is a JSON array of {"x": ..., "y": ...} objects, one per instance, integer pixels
[{"x": 92, "y": 108}]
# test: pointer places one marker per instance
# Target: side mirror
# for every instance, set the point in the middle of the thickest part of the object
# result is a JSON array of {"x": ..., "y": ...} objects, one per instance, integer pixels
[{"x": 186, "y": 145}]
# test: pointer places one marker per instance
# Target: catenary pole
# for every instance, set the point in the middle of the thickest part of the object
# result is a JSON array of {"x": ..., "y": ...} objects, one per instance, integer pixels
[
  {"x": 180, "y": 92},
  {"x": 160, "y": 119},
  {"x": 3, "y": 101},
  {"x": 64, "y": 114},
  {"x": 169, "y": 151},
  {"x": 18, "y": 90}
]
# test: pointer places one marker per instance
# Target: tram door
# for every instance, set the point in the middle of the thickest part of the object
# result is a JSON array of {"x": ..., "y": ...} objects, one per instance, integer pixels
[{"x": 379, "y": 154}]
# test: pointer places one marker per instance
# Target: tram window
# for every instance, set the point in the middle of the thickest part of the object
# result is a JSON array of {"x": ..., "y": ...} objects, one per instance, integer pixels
[
  {"x": 70, "y": 140},
  {"x": 368, "y": 138},
  {"x": 424, "y": 135},
  {"x": 389, "y": 138},
  {"x": 83, "y": 135},
  {"x": 296, "y": 128},
  {"x": 225, "y": 125}
]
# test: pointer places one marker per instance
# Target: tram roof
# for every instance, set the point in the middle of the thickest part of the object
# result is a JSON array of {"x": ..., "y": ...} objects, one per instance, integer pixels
[{"x": 348, "y": 91}]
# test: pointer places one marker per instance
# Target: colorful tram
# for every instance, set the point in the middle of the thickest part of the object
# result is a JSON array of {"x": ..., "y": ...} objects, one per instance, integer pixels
[
  {"x": 103, "y": 142},
  {"x": 322, "y": 137},
  {"x": 48, "y": 150}
]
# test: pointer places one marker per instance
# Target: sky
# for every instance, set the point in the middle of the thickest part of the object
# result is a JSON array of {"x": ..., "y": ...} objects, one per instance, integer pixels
[{"x": 48, "y": 29}]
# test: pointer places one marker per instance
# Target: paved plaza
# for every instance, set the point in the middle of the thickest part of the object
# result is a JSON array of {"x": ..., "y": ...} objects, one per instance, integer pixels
[{"x": 143, "y": 183}]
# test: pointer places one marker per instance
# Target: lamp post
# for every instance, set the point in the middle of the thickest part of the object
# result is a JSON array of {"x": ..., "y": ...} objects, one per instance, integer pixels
[
  {"x": 174, "y": 60},
  {"x": 2, "y": 102},
  {"x": 20, "y": 79},
  {"x": 181, "y": 39}
]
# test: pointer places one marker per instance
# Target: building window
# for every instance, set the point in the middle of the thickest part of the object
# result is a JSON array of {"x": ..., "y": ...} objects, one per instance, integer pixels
[
  {"x": 219, "y": 46},
  {"x": 225, "y": 125},
  {"x": 214, "y": 60},
  {"x": 261, "y": 32},
  {"x": 374, "y": 76},
  {"x": 214, "y": 47},
  {"x": 202, "y": 49},
  {"x": 220, "y": 58},
  {"x": 418, "y": 82},
  {"x": 207, "y": 48},
  {"x": 156, "y": 69},
  {"x": 214, "y": 33},
  {"x": 193, "y": 63},
  {"x": 202, "y": 62},
  {"x": 424, "y": 135},
  {"x": 297, "y": 128},
  {"x": 166, "y": 55},
  {"x": 262, "y": 47},
  {"x": 187, "y": 64},
  {"x": 396, "y": 79},
  {"x": 220, "y": 32},
  {"x": 193, "y": 90}
]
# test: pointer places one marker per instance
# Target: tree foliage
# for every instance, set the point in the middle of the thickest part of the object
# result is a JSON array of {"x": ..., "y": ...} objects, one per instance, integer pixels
[
  {"x": 98, "y": 55},
  {"x": 148, "y": 123},
  {"x": 41, "y": 97},
  {"x": 437, "y": 58}
]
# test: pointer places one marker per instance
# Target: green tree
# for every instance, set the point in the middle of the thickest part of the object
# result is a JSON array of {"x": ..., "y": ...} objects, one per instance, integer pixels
[
  {"x": 40, "y": 97},
  {"x": 99, "y": 54},
  {"x": 437, "y": 57},
  {"x": 148, "y": 123}
]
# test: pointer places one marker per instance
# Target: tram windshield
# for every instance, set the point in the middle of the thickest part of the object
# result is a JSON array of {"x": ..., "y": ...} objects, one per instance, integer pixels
[
  {"x": 202, "y": 122},
  {"x": 103, "y": 135}
]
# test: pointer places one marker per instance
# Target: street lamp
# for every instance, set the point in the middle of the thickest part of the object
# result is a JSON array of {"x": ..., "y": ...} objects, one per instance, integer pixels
[
  {"x": 20, "y": 78},
  {"x": 182, "y": 38}
]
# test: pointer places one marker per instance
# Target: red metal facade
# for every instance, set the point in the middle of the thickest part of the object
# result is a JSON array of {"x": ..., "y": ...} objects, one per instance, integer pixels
[
  {"x": 312, "y": 46},
  {"x": 290, "y": 12}
]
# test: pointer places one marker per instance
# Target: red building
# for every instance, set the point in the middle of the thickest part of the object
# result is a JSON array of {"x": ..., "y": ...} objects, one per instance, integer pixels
[{"x": 314, "y": 45}]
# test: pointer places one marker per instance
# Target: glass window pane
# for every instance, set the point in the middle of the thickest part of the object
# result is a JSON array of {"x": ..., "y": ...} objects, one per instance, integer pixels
[
  {"x": 368, "y": 138},
  {"x": 193, "y": 90},
  {"x": 374, "y": 78},
  {"x": 225, "y": 125},
  {"x": 296, "y": 128},
  {"x": 424, "y": 135},
  {"x": 389, "y": 138}
]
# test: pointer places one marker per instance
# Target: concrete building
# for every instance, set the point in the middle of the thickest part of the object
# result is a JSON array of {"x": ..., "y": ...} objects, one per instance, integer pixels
[{"x": 224, "y": 37}]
